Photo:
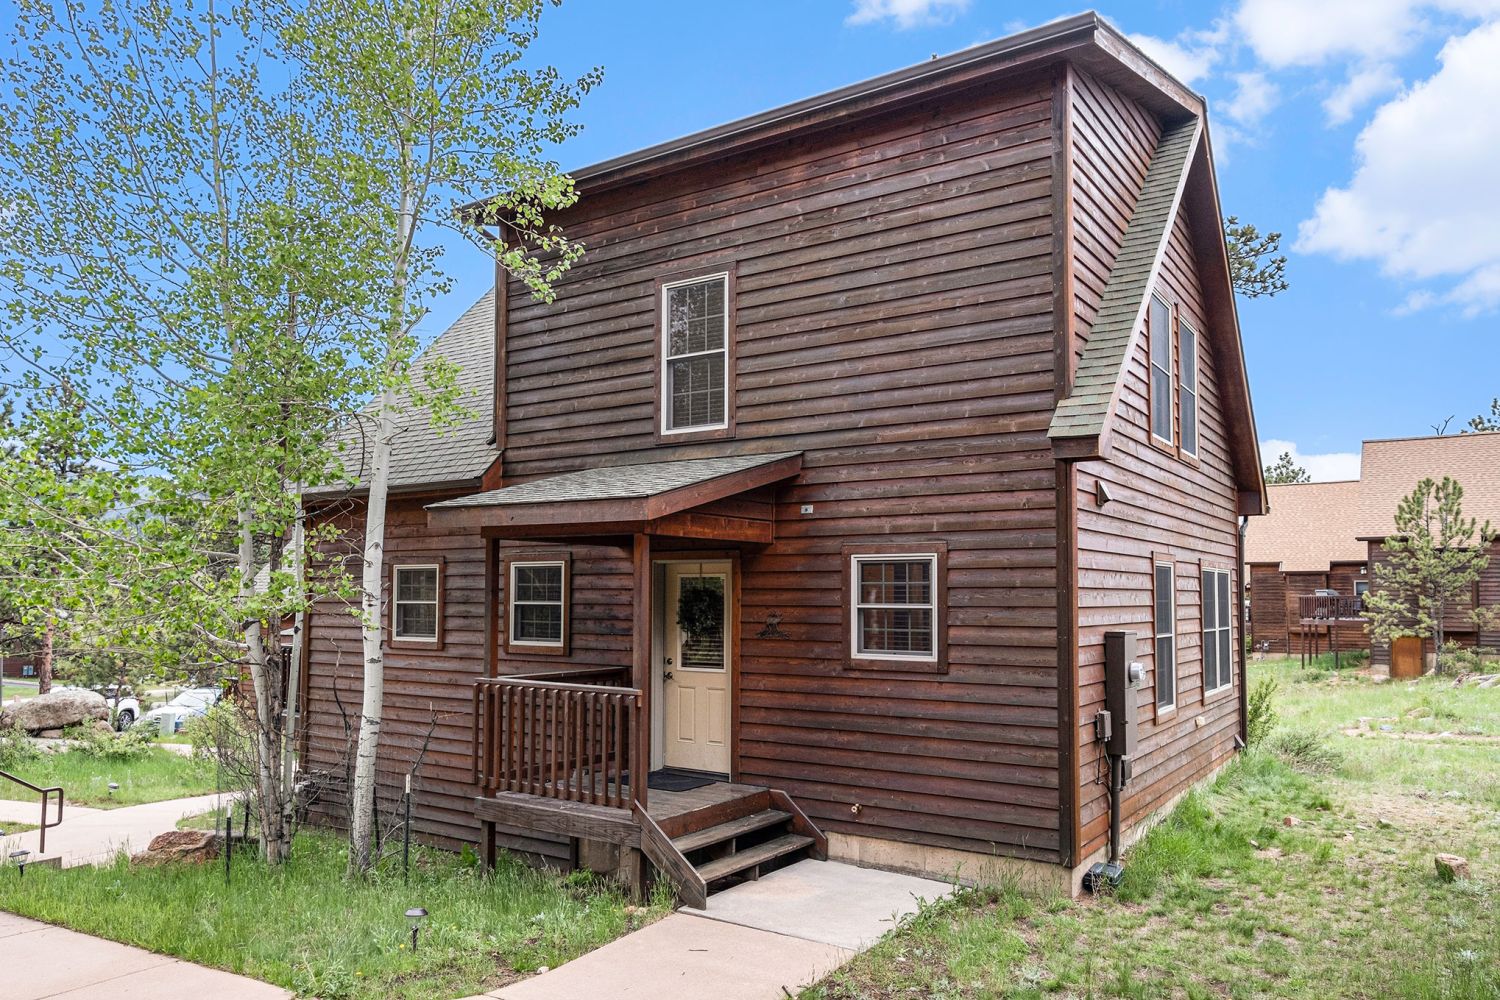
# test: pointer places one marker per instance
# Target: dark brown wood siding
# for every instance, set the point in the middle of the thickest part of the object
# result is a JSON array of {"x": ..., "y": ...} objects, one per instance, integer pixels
[
  {"x": 1172, "y": 508},
  {"x": 1458, "y": 624},
  {"x": 1268, "y": 609},
  {"x": 894, "y": 323}
]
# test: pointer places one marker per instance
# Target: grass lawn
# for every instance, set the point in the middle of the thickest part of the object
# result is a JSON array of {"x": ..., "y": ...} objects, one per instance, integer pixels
[
  {"x": 160, "y": 774},
  {"x": 307, "y": 928},
  {"x": 1223, "y": 900},
  {"x": 9, "y": 691}
]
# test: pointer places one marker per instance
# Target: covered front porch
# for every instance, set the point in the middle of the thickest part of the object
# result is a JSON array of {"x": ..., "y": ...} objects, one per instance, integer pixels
[{"x": 628, "y": 759}]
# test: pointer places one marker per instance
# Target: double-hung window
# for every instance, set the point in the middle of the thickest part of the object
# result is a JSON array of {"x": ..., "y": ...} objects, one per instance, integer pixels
[
  {"x": 1218, "y": 645},
  {"x": 1159, "y": 334},
  {"x": 538, "y": 605},
  {"x": 1164, "y": 617},
  {"x": 415, "y": 603},
  {"x": 1187, "y": 387},
  {"x": 695, "y": 354},
  {"x": 895, "y": 607}
]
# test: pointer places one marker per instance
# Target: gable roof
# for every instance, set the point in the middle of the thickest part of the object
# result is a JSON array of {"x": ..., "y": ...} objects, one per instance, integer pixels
[
  {"x": 1390, "y": 469},
  {"x": 1085, "y": 413},
  {"x": 1307, "y": 527},
  {"x": 425, "y": 457}
]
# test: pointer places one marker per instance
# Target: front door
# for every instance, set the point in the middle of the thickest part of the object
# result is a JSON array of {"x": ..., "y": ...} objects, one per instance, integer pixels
[{"x": 695, "y": 666}]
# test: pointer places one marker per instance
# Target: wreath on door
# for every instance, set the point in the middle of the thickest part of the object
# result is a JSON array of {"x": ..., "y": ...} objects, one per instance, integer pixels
[{"x": 700, "y": 610}]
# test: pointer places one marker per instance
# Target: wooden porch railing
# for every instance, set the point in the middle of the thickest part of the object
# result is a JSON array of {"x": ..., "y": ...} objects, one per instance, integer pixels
[
  {"x": 563, "y": 734},
  {"x": 1324, "y": 608}
]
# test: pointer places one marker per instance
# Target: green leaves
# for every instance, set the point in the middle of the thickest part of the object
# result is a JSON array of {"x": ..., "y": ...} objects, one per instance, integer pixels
[{"x": 1255, "y": 266}]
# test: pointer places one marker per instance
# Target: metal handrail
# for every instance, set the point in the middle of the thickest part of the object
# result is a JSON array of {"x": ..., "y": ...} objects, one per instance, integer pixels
[{"x": 46, "y": 794}]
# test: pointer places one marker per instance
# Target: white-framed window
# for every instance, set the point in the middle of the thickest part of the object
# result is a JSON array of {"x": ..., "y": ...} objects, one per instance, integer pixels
[
  {"x": 1361, "y": 588},
  {"x": 415, "y": 603},
  {"x": 1164, "y": 627},
  {"x": 695, "y": 354},
  {"x": 1218, "y": 632},
  {"x": 1187, "y": 387},
  {"x": 538, "y": 598},
  {"x": 1159, "y": 334},
  {"x": 895, "y": 607}
]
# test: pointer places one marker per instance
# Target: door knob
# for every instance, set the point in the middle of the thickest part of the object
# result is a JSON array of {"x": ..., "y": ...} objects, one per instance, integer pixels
[{"x": 667, "y": 675}]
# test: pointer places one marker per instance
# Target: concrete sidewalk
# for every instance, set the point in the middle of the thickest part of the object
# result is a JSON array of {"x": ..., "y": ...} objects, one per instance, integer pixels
[
  {"x": 94, "y": 836},
  {"x": 60, "y": 964},
  {"x": 761, "y": 940}
]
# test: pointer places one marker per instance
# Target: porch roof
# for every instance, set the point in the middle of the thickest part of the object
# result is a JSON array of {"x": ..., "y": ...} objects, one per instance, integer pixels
[{"x": 616, "y": 498}]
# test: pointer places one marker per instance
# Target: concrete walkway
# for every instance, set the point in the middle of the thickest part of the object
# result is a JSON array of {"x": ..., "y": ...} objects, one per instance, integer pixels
[
  {"x": 42, "y": 961},
  {"x": 94, "y": 836},
  {"x": 761, "y": 940}
]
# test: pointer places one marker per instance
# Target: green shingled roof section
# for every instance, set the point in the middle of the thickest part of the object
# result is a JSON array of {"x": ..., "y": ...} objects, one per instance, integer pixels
[{"x": 1083, "y": 414}]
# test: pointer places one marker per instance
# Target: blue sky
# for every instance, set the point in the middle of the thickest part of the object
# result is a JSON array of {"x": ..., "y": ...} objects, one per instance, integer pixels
[{"x": 1364, "y": 130}]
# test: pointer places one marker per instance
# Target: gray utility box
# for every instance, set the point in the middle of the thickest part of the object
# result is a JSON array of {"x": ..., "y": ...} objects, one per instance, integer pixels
[{"x": 1122, "y": 679}]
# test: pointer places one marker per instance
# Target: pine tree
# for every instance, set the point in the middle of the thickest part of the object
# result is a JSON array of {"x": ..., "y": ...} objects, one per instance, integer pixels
[
  {"x": 1284, "y": 470},
  {"x": 1434, "y": 559}
]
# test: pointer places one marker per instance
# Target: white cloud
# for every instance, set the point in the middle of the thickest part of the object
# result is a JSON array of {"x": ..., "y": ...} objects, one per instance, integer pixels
[
  {"x": 1254, "y": 97},
  {"x": 1421, "y": 202},
  {"x": 1363, "y": 84},
  {"x": 1309, "y": 32},
  {"x": 1187, "y": 62},
  {"x": 906, "y": 13},
  {"x": 1325, "y": 468}
]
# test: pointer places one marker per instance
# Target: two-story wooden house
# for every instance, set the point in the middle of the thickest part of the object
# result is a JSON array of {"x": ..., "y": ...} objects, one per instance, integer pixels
[{"x": 796, "y": 523}]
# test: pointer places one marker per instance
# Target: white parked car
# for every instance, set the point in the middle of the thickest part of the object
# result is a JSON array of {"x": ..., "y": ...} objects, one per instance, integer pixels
[{"x": 190, "y": 703}]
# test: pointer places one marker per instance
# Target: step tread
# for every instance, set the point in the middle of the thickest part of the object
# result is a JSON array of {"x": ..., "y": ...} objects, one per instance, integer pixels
[
  {"x": 730, "y": 828},
  {"x": 759, "y": 854}
]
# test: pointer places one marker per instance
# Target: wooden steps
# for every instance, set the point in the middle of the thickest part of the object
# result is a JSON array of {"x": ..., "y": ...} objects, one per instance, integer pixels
[
  {"x": 754, "y": 857},
  {"x": 743, "y": 837}
]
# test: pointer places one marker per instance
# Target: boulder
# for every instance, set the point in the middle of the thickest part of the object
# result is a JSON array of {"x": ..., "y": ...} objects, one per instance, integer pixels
[
  {"x": 1451, "y": 867},
  {"x": 196, "y": 846},
  {"x": 57, "y": 710}
]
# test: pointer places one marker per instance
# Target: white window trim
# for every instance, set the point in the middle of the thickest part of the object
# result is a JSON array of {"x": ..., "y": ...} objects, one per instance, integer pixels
[
  {"x": 666, "y": 358},
  {"x": 1226, "y": 670},
  {"x": 436, "y": 602},
  {"x": 1152, "y": 368},
  {"x": 560, "y": 603},
  {"x": 682, "y": 660},
  {"x": 1183, "y": 390},
  {"x": 855, "y": 652},
  {"x": 1156, "y": 636}
]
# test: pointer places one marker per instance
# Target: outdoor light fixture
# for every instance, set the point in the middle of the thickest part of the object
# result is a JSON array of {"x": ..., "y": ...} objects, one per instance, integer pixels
[
  {"x": 19, "y": 857},
  {"x": 416, "y": 915},
  {"x": 113, "y": 787}
]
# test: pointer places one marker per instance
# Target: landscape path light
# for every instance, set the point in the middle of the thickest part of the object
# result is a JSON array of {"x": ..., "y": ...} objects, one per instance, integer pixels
[
  {"x": 416, "y": 915},
  {"x": 19, "y": 857}
]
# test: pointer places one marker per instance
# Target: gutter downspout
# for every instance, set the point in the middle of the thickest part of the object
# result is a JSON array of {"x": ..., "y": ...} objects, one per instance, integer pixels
[{"x": 1239, "y": 611}]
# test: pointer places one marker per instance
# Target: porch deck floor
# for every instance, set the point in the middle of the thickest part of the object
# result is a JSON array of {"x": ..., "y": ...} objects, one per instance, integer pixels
[{"x": 665, "y": 805}]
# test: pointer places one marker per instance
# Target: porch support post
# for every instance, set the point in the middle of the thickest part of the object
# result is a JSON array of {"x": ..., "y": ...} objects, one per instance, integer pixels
[{"x": 640, "y": 665}]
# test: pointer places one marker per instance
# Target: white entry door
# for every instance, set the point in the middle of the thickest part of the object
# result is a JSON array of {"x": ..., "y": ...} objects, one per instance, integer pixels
[{"x": 695, "y": 666}]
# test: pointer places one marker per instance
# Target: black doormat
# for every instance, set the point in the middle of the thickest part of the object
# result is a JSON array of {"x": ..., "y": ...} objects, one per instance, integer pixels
[{"x": 669, "y": 780}]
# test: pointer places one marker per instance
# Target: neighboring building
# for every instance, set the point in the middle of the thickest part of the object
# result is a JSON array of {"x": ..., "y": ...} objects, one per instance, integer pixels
[
  {"x": 859, "y": 426},
  {"x": 1330, "y": 537},
  {"x": 1389, "y": 471},
  {"x": 1302, "y": 546}
]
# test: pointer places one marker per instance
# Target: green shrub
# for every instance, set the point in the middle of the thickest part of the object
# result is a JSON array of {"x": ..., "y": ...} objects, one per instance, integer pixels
[
  {"x": 1262, "y": 716},
  {"x": 16, "y": 749},
  {"x": 1304, "y": 750},
  {"x": 109, "y": 745}
]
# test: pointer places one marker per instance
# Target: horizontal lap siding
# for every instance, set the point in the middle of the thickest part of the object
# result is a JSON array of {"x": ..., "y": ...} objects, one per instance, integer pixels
[
  {"x": 1268, "y": 611},
  {"x": 1162, "y": 505},
  {"x": 1458, "y": 625},
  {"x": 428, "y": 693},
  {"x": 894, "y": 318}
]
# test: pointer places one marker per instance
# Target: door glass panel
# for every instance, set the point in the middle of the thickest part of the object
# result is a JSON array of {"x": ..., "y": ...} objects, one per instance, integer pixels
[{"x": 700, "y": 621}]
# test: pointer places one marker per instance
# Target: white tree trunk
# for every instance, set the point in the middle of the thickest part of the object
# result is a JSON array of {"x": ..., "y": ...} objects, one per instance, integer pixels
[
  {"x": 362, "y": 795},
  {"x": 294, "y": 680},
  {"x": 270, "y": 792}
]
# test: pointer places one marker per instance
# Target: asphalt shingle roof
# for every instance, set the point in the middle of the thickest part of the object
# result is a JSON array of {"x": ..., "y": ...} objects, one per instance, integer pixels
[
  {"x": 423, "y": 455},
  {"x": 619, "y": 482},
  {"x": 1391, "y": 469},
  {"x": 1084, "y": 413},
  {"x": 1308, "y": 526}
]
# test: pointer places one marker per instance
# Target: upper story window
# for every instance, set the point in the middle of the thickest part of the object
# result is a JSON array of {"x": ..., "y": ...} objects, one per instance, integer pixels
[
  {"x": 415, "y": 603},
  {"x": 1187, "y": 387},
  {"x": 1164, "y": 618},
  {"x": 695, "y": 348},
  {"x": 1159, "y": 336}
]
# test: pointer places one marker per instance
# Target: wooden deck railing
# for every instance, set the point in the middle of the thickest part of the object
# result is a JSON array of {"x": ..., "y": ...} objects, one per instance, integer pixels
[
  {"x": 563, "y": 734},
  {"x": 1324, "y": 608}
]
